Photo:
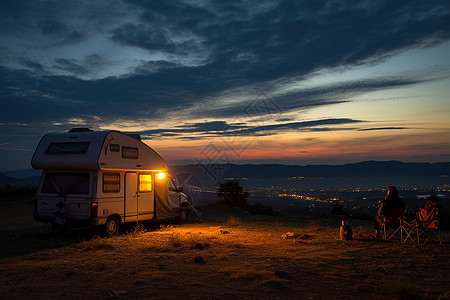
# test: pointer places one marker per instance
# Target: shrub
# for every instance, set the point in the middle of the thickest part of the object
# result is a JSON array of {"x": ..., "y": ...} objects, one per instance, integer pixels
[
  {"x": 233, "y": 194},
  {"x": 338, "y": 209},
  {"x": 233, "y": 222}
]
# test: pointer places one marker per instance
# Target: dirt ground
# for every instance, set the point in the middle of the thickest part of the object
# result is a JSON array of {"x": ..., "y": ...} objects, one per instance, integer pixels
[{"x": 226, "y": 255}]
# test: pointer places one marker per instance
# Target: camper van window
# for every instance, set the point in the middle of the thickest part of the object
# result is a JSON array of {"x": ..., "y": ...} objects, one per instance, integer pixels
[
  {"x": 114, "y": 147},
  {"x": 130, "y": 152},
  {"x": 66, "y": 183},
  {"x": 145, "y": 182},
  {"x": 171, "y": 185},
  {"x": 67, "y": 148},
  {"x": 111, "y": 182}
]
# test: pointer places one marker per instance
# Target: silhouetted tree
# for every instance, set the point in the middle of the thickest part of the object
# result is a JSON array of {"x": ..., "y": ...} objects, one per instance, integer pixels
[
  {"x": 338, "y": 209},
  {"x": 233, "y": 194}
]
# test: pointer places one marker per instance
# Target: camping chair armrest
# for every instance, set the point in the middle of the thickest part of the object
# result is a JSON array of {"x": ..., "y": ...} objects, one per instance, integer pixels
[
  {"x": 405, "y": 223},
  {"x": 385, "y": 220}
]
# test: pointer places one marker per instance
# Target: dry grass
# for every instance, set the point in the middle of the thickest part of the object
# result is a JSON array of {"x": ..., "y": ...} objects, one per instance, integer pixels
[
  {"x": 230, "y": 255},
  {"x": 234, "y": 222},
  {"x": 400, "y": 290}
]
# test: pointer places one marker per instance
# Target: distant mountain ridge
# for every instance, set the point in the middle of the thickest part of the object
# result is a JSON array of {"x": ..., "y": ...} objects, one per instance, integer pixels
[
  {"x": 21, "y": 174},
  {"x": 18, "y": 182},
  {"x": 361, "y": 169},
  {"x": 19, "y": 178},
  {"x": 265, "y": 171}
]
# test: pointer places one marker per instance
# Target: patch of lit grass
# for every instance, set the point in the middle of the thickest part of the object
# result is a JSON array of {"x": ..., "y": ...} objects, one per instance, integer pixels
[
  {"x": 187, "y": 240},
  {"x": 234, "y": 222},
  {"x": 97, "y": 243},
  {"x": 171, "y": 240}
]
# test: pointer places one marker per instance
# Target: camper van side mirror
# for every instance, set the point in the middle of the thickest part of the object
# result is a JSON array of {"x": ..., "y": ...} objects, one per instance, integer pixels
[{"x": 180, "y": 189}]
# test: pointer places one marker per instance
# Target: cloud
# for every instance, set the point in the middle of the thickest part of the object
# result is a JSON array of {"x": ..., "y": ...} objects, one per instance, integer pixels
[
  {"x": 167, "y": 26},
  {"x": 300, "y": 99},
  {"x": 37, "y": 67},
  {"x": 70, "y": 66},
  {"x": 223, "y": 128},
  {"x": 285, "y": 39},
  {"x": 213, "y": 126},
  {"x": 247, "y": 42},
  {"x": 153, "y": 97},
  {"x": 383, "y": 128},
  {"x": 54, "y": 27},
  {"x": 72, "y": 38}
]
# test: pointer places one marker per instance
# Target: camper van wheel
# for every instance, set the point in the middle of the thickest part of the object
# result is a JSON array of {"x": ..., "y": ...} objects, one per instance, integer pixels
[
  {"x": 182, "y": 217},
  {"x": 111, "y": 226}
]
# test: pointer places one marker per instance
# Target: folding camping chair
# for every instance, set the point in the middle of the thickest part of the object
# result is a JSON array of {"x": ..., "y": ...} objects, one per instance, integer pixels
[
  {"x": 427, "y": 225},
  {"x": 424, "y": 228},
  {"x": 392, "y": 222},
  {"x": 407, "y": 231}
]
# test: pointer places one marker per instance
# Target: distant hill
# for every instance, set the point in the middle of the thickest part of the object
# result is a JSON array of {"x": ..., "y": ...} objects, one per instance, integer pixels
[
  {"x": 218, "y": 172},
  {"x": 18, "y": 182},
  {"x": 361, "y": 169},
  {"x": 21, "y": 174}
]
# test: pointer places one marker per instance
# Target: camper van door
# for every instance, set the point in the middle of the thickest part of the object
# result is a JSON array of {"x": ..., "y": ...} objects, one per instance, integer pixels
[
  {"x": 146, "y": 196},
  {"x": 131, "y": 197},
  {"x": 139, "y": 196}
]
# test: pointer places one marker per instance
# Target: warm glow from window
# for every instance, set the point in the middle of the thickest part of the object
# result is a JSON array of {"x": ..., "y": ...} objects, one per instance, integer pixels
[
  {"x": 161, "y": 175},
  {"x": 145, "y": 183}
]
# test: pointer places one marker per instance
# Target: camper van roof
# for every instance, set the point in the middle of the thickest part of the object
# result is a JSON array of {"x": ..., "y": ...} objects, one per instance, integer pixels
[
  {"x": 84, "y": 149},
  {"x": 80, "y": 129}
]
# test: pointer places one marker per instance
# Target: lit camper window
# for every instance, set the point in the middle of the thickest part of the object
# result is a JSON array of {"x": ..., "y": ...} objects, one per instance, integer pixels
[
  {"x": 67, "y": 148},
  {"x": 66, "y": 183},
  {"x": 145, "y": 182},
  {"x": 111, "y": 182},
  {"x": 130, "y": 152}
]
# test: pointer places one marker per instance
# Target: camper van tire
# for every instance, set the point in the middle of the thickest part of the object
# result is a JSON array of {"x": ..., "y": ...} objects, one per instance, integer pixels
[
  {"x": 183, "y": 214},
  {"x": 112, "y": 226}
]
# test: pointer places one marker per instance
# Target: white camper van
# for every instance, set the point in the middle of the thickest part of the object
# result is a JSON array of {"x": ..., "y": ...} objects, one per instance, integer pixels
[{"x": 103, "y": 178}]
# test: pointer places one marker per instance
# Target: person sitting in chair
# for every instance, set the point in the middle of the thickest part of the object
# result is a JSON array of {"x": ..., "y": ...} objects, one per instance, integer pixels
[
  {"x": 432, "y": 202},
  {"x": 392, "y": 201}
]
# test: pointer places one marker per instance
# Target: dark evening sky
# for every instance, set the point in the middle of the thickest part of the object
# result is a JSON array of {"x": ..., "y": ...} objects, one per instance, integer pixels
[{"x": 296, "y": 82}]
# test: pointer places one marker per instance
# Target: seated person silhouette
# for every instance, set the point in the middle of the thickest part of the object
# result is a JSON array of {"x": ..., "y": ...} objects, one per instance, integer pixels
[
  {"x": 392, "y": 201},
  {"x": 432, "y": 202}
]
